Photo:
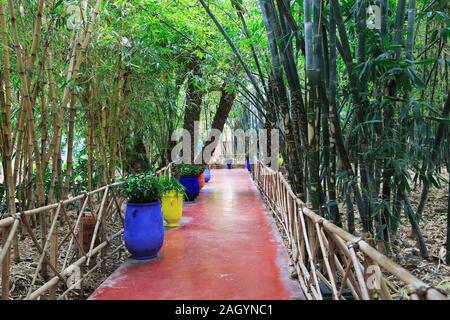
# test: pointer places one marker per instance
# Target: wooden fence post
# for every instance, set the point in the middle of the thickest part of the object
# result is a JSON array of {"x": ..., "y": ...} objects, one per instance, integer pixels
[
  {"x": 53, "y": 254},
  {"x": 6, "y": 265}
]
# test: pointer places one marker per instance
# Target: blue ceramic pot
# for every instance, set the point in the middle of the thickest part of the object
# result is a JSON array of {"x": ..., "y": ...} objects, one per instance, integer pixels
[
  {"x": 192, "y": 187},
  {"x": 207, "y": 174},
  {"x": 249, "y": 166},
  {"x": 144, "y": 229}
]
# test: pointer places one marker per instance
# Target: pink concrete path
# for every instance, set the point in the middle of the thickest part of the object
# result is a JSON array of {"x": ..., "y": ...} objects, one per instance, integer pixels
[{"x": 227, "y": 248}]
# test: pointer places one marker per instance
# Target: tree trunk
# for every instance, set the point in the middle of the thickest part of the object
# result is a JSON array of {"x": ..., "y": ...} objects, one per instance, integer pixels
[
  {"x": 227, "y": 98},
  {"x": 194, "y": 97}
]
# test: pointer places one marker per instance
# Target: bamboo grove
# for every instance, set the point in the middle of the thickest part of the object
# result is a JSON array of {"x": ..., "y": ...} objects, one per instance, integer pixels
[
  {"x": 92, "y": 89},
  {"x": 364, "y": 111}
]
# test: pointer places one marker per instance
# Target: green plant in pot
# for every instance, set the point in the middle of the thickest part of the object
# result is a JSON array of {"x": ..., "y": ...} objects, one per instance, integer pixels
[
  {"x": 144, "y": 226},
  {"x": 188, "y": 170},
  {"x": 173, "y": 193},
  {"x": 189, "y": 178}
]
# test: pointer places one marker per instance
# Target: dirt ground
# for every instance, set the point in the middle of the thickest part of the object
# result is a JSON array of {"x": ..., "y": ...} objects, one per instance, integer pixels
[{"x": 434, "y": 227}]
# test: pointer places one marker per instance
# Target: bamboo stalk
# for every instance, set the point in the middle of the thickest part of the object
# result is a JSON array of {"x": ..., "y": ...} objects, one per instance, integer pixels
[
  {"x": 26, "y": 100},
  {"x": 70, "y": 138},
  {"x": 39, "y": 248},
  {"x": 119, "y": 209},
  {"x": 344, "y": 278},
  {"x": 6, "y": 127},
  {"x": 327, "y": 263},
  {"x": 345, "y": 253},
  {"x": 35, "y": 43},
  {"x": 78, "y": 54},
  {"x": 308, "y": 250},
  {"x": 384, "y": 291},
  {"x": 54, "y": 255},
  {"x": 44, "y": 249},
  {"x": 97, "y": 224},
  {"x": 359, "y": 275},
  {"x": 7, "y": 245},
  {"x": 351, "y": 281},
  {"x": 72, "y": 230},
  {"x": 5, "y": 265},
  {"x": 330, "y": 245}
]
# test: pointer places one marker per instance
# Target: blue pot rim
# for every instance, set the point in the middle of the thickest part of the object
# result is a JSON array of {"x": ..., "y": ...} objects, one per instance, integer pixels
[
  {"x": 190, "y": 177},
  {"x": 144, "y": 204}
]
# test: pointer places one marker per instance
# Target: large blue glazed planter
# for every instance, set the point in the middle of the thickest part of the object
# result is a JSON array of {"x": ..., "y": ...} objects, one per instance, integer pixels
[
  {"x": 144, "y": 229},
  {"x": 207, "y": 174},
  {"x": 192, "y": 187},
  {"x": 249, "y": 166}
]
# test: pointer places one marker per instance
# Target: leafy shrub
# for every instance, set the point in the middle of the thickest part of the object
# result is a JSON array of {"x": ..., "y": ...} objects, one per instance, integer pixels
[
  {"x": 170, "y": 184},
  {"x": 188, "y": 170},
  {"x": 80, "y": 175},
  {"x": 141, "y": 188}
]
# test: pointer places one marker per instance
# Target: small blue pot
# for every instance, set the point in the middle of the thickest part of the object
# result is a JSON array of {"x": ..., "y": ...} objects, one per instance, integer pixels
[
  {"x": 207, "y": 174},
  {"x": 229, "y": 163},
  {"x": 192, "y": 187},
  {"x": 144, "y": 229},
  {"x": 249, "y": 166}
]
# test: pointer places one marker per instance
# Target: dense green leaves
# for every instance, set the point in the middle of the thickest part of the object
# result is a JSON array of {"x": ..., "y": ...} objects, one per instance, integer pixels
[
  {"x": 188, "y": 170},
  {"x": 141, "y": 188},
  {"x": 169, "y": 184}
]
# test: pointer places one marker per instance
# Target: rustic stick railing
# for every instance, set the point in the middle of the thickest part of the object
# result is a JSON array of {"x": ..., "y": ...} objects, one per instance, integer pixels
[
  {"x": 323, "y": 252},
  {"x": 71, "y": 252}
]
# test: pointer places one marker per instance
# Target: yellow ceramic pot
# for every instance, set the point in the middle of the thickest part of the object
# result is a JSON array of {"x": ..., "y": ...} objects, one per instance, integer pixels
[
  {"x": 280, "y": 160},
  {"x": 172, "y": 208}
]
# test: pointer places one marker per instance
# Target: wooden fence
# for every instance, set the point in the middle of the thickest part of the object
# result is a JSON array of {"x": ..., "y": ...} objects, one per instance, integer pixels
[
  {"x": 84, "y": 232},
  {"x": 324, "y": 253}
]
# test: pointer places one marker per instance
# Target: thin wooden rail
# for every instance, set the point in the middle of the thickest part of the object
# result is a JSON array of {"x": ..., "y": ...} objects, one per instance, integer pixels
[
  {"x": 322, "y": 251},
  {"x": 62, "y": 249}
]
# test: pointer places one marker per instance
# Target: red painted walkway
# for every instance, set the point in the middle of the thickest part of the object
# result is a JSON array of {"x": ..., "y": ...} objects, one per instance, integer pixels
[{"x": 227, "y": 248}]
